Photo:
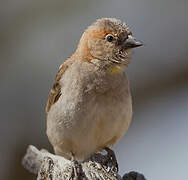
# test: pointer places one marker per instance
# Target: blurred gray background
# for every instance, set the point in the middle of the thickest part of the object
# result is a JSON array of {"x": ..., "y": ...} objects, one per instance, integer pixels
[{"x": 37, "y": 36}]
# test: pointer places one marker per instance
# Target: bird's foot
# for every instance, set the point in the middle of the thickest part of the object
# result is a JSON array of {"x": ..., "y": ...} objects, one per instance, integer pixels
[
  {"x": 78, "y": 173},
  {"x": 113, "y": 159},
  {"x": 133, "y": 176}
]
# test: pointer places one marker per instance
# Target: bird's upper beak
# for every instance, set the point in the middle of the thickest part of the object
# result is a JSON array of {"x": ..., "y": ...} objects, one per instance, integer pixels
[{"x": 131, "y": 42}]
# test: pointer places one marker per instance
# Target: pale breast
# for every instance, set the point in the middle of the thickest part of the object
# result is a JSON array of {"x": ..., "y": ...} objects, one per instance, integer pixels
[
  {"x": 94, "y": 110},
  {"x": 113, "y": 114}
]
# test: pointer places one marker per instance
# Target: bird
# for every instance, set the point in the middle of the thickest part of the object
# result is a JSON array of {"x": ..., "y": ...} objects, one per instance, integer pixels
[{"x": 89, "y": 106}]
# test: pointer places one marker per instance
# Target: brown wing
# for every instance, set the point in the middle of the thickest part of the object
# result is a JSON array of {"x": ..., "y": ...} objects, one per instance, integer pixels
[{"x": 55, "y": 92}]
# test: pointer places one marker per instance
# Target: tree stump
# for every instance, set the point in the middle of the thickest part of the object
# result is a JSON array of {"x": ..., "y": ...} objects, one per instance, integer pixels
[{"x": 48, "y": 166}]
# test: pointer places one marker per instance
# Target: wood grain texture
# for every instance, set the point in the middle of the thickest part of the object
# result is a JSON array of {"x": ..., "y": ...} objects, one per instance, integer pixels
[{"x": 48, "y": 166}]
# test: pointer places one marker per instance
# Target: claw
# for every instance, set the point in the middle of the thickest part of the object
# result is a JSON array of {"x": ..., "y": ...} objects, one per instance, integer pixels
[
  {"x": 112, "y": 156},
  {"x": 78, "y": 173}
]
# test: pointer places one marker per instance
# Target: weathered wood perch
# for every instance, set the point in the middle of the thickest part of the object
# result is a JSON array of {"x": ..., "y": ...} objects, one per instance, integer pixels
[{"x": 52, "y": 167}]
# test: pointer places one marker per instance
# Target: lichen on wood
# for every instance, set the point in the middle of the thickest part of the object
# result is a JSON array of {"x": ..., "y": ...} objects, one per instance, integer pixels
[{"x": 48, "y": 166}]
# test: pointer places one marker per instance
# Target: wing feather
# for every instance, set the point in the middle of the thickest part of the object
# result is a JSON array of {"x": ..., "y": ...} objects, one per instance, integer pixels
[{"x": 55, "y": 92}]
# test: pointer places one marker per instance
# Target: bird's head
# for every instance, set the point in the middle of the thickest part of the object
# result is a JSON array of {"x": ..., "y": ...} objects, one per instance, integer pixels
[{"x": 108, "y": 39}]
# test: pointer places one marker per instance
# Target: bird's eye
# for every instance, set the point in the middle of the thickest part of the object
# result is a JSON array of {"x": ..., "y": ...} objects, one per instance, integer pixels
[{"x": 109, "y": 38}]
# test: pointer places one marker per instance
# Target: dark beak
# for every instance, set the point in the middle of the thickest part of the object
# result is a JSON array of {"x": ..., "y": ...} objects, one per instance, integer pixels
[{"x": 131, "y": 42}]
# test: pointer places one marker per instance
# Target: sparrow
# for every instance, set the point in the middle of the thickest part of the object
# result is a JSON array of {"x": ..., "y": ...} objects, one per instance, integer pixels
[{"x": 89, "y": 107}]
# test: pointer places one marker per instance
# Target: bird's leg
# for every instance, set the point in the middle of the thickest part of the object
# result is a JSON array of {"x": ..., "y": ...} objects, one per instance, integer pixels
[
  {"x": 112, "y": 157},
  {"x": 77, "y": 169}
]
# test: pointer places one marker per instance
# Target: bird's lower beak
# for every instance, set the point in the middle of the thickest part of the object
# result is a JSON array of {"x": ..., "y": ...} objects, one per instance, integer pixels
[{"x": 131, "y": 42}]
